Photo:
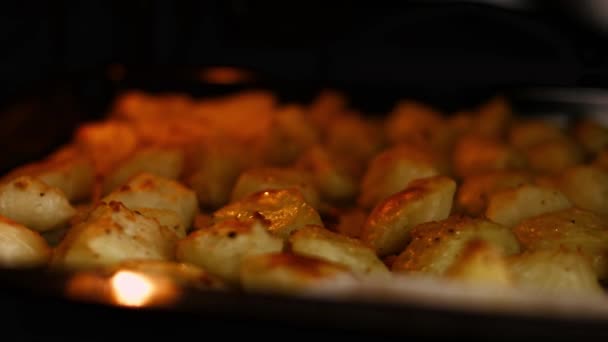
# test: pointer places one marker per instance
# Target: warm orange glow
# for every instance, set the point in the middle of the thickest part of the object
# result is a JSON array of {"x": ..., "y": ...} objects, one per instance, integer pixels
[
  {"x": 132, "y": 289},
  {"x": 226, "y": 75}
]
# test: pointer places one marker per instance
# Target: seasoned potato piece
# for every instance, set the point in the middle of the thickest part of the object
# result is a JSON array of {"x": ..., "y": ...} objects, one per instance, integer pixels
[
  {"x": 166, "y": 218},
  {"x": 592, "y": 135},
  {"x": 290, "y": 134},
  {"x": 601, "y": 160},
  {"x": 354, "y": 137},
  {"x": 180, "y": 273},
  {"x": 473, "y": 193},
  {"x": 67, "y": 169},
  {"x": 21, "y": 247},
  {"x": 436, "y": 246},
  {"x": 571, "y": 229},
  {"x": 290, "y": 274},
  {"x": 326, "y": 107},
  {"x": 532, "y": 132},
  {"x": 481, "y": 263},
  {"x": 221, "y": 248},
  {"x": 282, "y": 210},
  {"x": 493, "y": 117},
  {"x": 150, "y": 191},
  {"x": 320, "y": 243},
  {"x": 477, "y": 155},
  {"x": 261, "y": 179},
  {"x": 510, "y": 207},
  {"x": 392, "y": 170},
  {"x": 163, "y": 162},
  {"x": 34, "y": 204},
  {"x": 333, "y": 181},
  {"x": 412, "y": 122},
  {"x": 587, "y": 188},
  {"x": 388, "y": 227},
  {"x": 555, "y": 271},
  {"x": 553, "y": 155},
  {"x": 350, "y": 222},
  {"x": 113, "y": 234}
]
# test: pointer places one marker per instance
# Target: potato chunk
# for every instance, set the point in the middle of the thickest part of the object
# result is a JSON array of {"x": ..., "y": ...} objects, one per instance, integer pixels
[
  {"x": 510, "y": 207},
  {"x": 493, "y": 117},
  {"x": 592, "y": 135},
  {"x": 555, "y": 271},
  {"x": 473, "y": 193},
  {"x": 392, "y": 170},
  {"x": 261, "y": 179},
  {"x": 34, "y": 204},
  {"x": 287, "y": 273},
  {"x": 67, "y": 169},
  {"x": 163, "y": 162},
  {"x": 320, "y": 243},
  {"x": 150, "y": 191},
  {"x": 553, "y": 156},
  {"x": 221, "y": 248},
  {"x": 587, "y": 188},
  {"x": 571, "y": 229},
  {"x": 21, "y": 247},
  {"x": 477, "y": 155},
  {"x": 437, "y": 245},
  {"x": 412, "y": 122},
  {"x": 481, "y": 263},
  {"x": 112, "y": 234},
  {"x": 530, "y": 133},
  {"x": 387, "y": 228},
  {"x": 166, "y": 218},
  {"x": 354, "y": 137},
  {"x": 282, "y": 210}
]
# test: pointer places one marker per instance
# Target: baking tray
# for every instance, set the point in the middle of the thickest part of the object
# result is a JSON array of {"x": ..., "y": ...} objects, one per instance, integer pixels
[{"x": 35, "y": 305}]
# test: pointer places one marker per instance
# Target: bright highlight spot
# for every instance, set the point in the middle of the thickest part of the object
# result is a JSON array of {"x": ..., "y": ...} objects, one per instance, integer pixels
[{"x": 131, "y": 289}]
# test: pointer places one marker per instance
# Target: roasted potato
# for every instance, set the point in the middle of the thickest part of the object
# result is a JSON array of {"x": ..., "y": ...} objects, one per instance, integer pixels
[
  {"x": 586, "y": 187},
  {"x": 113, "y": 234},
  {"x": 473, "y": 193},
  {"x": 437, "y": 245},
  {"x": 350, "y": 222},
  {"x": 511, "y": 206},
  {"x": 601, "y": 159},
  {"x": 221, "y": 248},
  {"x": 163, "y": 162},
  {"x": 387, "y": 228},
  {"x": 289, "y": 274},
  {"x": 412, "y": 122},
  {"x": 481, "y": 263},
  {"x": 552, "y": 156},
  {"x": 261, "y": 179},
  {"x": 34, "y": 204},
  {"x": 282, "y": 210},
  {"x": 493, "y": 117},
  {"x": 592, "y": 135},
  {"x": 574, "y": 230},
  {"x": 151, "y": 191},
  {"x": 392, "y": 170},
  {"x": 474, "y": 154},
  {"x": 326, "y": 107},
  {"x": 67, "y": 169},
  {"x": 532, "y": 132},
  {"x": 354, "y": 137},
  {"x": 166, "y": 218},
  {"x": 318, "y": 242},
  {"x": 21, "y": 247},
  {"x": 555, "y": 271}
]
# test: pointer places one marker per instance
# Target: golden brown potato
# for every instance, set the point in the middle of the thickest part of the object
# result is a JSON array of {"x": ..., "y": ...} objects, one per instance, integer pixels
[
  {"x": 326, "y": 107},
  {"x": 592, "y": 135},
  {"x": 510, "y": 207},
  {"x": 163, "y": 162},
  {"x": 493, "y": 117},
  {"x": 478, "y": 155},
  {"x": 268, "y": 178},
  {"x": 221, "y": 248},
  {"x": 473, "y": 193},
  {"x": 180, "y": 273},
  {"x": 166, "y": 218},
  {"x": 392, "y": 170},
  {"x": 387, "y": 228},
  {"x": 289, "y": 274},
  {"x": 113, "y": 234},
  {"x": 320, "y": 243},
  {"x": 332, "y": 179},
  {"x": 350, "y": 222},
  {"x": 412, "y": 122},
  {"x": 555, "y": 271},
  {"x": 571, "y": 229},
  {"x": 34, "y": 204},
  {"x": 21, "y": 247},
  {"x": 481, "y": 263},
  {"x": 437, "y": 245},
  {"x": 601, "y": 159},
  {"x": 532, "y": 132},
  {"x": 151, "y": 191},
  {"x": 67, "y": 169},
  {"x": 587, "y": 188},
  {"x": 282, "y": 210},
  {"x": 354, "y": 137},
  {"x": 553, "y": 156}
]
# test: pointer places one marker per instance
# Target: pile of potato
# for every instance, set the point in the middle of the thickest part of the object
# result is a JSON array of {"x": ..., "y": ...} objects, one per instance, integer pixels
[{"x": 260, "y": 195}]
